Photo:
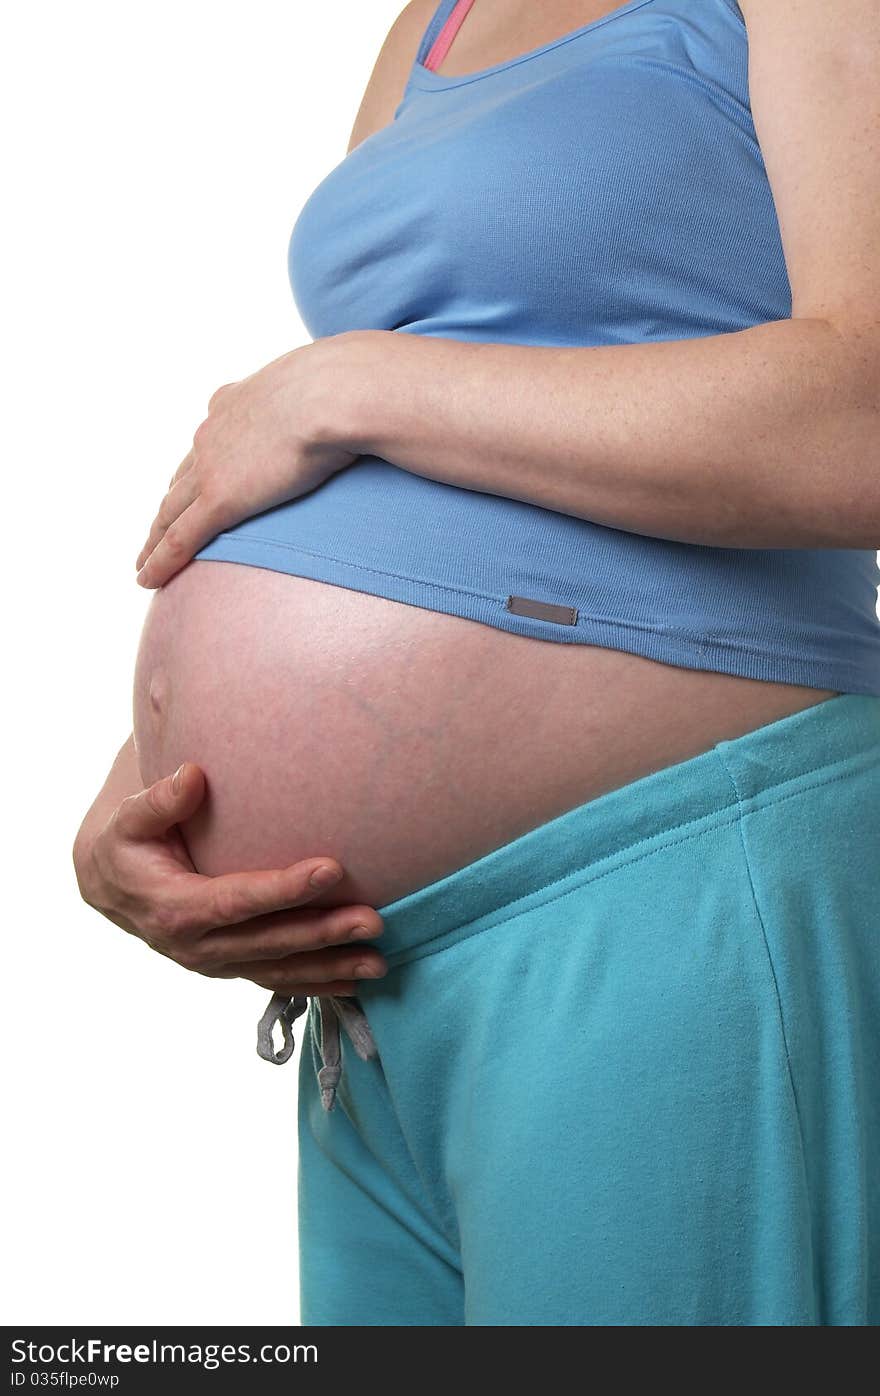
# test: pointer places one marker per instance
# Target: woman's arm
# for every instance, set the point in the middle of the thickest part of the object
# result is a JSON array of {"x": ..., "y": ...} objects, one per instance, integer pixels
[{"x": 765, "y": 437}]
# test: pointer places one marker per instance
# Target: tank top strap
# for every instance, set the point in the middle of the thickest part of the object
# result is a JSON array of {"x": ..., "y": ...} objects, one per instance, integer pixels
[{"x": 437, "y": 38}]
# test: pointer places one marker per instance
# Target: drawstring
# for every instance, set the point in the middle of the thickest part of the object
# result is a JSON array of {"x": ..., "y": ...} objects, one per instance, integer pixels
[
  {"x": 284, "y": 1010},
  {"x": 332, "y": 1011}
]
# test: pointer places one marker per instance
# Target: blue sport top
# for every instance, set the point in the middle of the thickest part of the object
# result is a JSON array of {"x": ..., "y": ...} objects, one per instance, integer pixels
[{"x": 605, "y": 188}]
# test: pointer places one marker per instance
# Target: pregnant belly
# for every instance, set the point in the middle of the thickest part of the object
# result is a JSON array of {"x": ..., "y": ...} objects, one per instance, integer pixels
[{"x": 403, "y": 742}]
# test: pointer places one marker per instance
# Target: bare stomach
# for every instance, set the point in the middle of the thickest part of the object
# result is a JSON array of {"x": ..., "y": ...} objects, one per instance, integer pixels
[{"x": 404, "y": 742}]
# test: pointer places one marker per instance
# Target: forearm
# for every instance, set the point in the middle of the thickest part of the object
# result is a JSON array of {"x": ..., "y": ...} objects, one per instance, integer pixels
[{"x": 761, "y": 438}]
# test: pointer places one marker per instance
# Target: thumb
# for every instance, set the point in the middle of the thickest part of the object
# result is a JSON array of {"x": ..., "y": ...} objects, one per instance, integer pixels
[{"x": 151, "y": 812}]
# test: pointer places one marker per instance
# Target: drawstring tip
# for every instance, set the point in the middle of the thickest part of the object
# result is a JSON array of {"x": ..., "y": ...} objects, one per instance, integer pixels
[
  {"x": 284, "y": 1011},
  {"x": 328, "y": 1080}
]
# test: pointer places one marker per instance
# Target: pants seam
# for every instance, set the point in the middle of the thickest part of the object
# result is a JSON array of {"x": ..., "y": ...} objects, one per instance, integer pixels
[{"x": 766, "y": 941}]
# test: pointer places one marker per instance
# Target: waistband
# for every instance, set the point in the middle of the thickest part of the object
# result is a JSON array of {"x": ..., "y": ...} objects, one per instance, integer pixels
[{"x": 730, "y": 778}]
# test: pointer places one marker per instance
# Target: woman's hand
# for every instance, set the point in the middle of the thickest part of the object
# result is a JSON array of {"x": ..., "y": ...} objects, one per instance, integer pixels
[
  {"x": 268, "y": 438},
  {"x": 136, "y": 871}
]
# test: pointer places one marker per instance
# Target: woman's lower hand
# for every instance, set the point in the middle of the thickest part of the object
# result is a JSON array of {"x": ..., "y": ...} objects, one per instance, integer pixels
[
  {"x": 137, "y": 872},
  {"x": 271, "y": 437}
]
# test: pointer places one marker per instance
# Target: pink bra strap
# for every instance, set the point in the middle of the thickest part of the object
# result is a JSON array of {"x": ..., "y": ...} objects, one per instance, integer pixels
[{"x": 441, "y": 44}]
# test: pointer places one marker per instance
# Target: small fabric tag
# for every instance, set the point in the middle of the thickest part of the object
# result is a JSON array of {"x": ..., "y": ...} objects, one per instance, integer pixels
[{"x": 542, "y": 610}]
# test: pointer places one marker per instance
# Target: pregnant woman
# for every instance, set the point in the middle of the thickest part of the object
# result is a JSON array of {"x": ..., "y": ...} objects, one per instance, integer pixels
[{"x": 537, "y": 595}]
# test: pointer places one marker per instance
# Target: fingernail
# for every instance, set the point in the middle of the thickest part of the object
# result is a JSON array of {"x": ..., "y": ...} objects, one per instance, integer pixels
[
  {"x": 368, "y": 969},
  {"x": 176, "y": 779},
  {"x": 363, "y": 933},
  {"x": 324, "y": 877}
]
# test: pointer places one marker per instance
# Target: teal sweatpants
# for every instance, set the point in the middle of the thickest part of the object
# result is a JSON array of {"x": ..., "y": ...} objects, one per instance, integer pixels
[{"x": 628, "y": 1065}]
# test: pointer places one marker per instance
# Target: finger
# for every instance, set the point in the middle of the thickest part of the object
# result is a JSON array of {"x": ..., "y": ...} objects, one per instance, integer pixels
[
  {"x": 313, "y": 972},
  {"x": 203, "y": 904},
  {"x": 179, "y": 497},
  {"x": 152, "y": 812},
  {"x": 180, "y": 542},
  {"x": 181, "y": 470},
  {"x": 280, "y": 935}
]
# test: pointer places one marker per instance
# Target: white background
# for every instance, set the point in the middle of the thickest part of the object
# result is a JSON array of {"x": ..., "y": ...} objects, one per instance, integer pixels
[{"x": 155, "y": 159}]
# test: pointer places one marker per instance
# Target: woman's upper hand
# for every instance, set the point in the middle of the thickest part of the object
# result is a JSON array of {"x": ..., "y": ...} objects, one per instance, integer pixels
[
  {"x": 254, "y": 925},
  {"x": 269, "y": 438}
]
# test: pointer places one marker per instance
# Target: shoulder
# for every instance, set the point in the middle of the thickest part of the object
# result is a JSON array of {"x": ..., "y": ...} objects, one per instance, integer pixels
[{"x": 391, "y": 69}]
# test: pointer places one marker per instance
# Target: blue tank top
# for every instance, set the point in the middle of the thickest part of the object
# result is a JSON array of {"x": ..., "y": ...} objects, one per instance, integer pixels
[{"x": 605, "y": 188}]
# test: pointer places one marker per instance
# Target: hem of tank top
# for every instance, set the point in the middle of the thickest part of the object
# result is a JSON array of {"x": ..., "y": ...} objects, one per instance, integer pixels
[{"x": 641, "y": 638}]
